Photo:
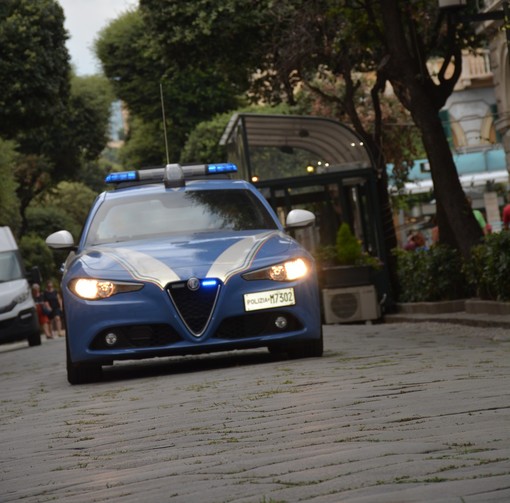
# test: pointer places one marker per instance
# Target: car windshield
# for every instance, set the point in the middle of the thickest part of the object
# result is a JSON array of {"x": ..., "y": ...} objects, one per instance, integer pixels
[
  {"x": 10, "y": 267},
  {"x": 142, "y": 216}
]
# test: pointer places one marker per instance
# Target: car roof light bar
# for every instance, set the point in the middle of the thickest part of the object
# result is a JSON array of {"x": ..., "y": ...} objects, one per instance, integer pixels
[{"x": 173, "y": 175}]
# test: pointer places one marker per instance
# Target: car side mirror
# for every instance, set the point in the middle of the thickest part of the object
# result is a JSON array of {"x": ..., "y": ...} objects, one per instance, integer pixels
[
  {"x": 299, "y": 218},
  {"x": 60, "y": 240}
]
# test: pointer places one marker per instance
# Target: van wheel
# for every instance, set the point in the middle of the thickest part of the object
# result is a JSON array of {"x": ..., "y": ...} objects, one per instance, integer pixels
[
  {"x": 34, "y": 339},
  {"x": 82, "y": 373}
]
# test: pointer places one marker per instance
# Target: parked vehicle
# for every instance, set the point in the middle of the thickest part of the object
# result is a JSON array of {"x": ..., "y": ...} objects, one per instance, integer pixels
[{"x": 18, "y": 315}]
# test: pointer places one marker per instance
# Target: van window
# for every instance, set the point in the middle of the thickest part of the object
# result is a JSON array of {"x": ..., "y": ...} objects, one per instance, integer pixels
[{"x": 10, "y": 267}]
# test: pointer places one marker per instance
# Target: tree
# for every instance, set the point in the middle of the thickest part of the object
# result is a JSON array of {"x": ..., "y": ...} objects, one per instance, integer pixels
[
  {"x": 89, "y": 114},
  {"x": 138, "y": 69},
  {"x": 9, "y": 203},
  {"x": 57, "y": 152},
  {"x": 394, "y": 39},
  {"x": 291, "y": 42},
  {"x": 56, "y": 123},
  {"x": 409, "y": 45},
  {"x": 34, "y": 64},
  {"x": 203, "y": 144}
]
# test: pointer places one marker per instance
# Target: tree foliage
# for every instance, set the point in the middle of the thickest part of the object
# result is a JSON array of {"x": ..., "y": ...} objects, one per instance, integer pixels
[
  {"x": 142, "y": 74},
  {"x": 34, "y": 64},
  {"x": 56, "y": 123},
  {"x": 9, "y": 204},
  {"x": 89, "y": 114}
]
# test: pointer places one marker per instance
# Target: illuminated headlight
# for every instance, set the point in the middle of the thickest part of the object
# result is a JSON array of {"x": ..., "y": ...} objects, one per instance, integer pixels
[
  {"x": 286, "y": 271},
  {"x": 96, "y": 289}
]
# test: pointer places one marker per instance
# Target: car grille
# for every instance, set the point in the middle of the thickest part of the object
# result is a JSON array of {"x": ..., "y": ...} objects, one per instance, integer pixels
[
  {"x": 137, "y": 336},
  {"x": 255, "y": 325},
  {"x": 194, "y": 307}
]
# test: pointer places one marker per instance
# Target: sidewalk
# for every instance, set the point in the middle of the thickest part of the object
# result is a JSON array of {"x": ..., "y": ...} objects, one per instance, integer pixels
[{"x": 471, "y": 312}]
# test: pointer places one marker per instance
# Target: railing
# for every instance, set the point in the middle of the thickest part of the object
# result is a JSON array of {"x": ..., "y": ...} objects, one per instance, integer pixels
[{"x": 475, "y": 66}]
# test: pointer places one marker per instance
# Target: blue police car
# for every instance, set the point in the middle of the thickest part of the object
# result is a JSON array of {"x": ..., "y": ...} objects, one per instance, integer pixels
[{"x": 183, "y": 260}]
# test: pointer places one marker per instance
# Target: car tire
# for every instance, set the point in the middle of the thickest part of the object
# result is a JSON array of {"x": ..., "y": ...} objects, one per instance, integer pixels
[
  {"x": 34, "y": 339},
  {"x": 82, "y": 373}
]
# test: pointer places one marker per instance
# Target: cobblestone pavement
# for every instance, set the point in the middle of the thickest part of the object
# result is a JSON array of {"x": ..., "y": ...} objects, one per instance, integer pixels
[{"x": 392, "y": 413}]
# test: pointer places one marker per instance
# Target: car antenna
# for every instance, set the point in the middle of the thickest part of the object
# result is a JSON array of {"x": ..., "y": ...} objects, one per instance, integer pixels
[{"x": 164, "y": 121}]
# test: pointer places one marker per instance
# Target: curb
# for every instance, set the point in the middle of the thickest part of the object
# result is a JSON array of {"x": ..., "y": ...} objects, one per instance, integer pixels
[{"x": 471, "y": 312}]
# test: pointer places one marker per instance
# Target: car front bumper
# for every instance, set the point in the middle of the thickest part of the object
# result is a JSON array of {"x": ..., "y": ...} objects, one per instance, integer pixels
[{"x": 148, "y": 323}]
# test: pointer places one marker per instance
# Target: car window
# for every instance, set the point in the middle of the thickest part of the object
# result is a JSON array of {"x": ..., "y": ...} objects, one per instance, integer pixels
[
  {"x": 140, "y": 216},
  {"x": 10, "y": 268}
]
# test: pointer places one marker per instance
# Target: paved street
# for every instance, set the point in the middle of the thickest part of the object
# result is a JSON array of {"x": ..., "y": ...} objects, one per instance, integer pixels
[{"x": 393, "y": 413}]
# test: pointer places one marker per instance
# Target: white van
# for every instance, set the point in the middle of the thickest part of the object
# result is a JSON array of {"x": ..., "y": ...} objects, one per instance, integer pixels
[{"x": 18, "y": 315}]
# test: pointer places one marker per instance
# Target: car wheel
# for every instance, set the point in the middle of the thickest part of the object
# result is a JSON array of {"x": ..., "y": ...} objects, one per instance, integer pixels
[
  {"x": 34, "y": 339},
  {"x": 82, "y": 373}
]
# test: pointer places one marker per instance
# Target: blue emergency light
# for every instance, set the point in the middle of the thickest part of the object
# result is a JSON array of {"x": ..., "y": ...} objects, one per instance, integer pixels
[
  {"x": 122, "y": 176},
  {"x": 172, "y": 174},
  {"x": 226, "y": 167},
  {"x": 209, "y": 282}
]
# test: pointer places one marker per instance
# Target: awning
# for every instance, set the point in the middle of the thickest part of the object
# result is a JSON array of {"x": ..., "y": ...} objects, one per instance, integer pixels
[{"x": 330, "y": 140}]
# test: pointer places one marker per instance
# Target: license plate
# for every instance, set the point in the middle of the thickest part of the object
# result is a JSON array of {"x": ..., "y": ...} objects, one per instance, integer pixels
[{"x": 268, "y": 299}]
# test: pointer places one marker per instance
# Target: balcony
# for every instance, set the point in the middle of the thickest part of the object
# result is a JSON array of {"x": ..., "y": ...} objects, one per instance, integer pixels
[{"x": 476, "y": 70}]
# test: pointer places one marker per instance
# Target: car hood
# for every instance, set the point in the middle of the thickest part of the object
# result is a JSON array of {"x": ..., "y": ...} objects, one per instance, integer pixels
[{"x": 169, "y": 259}]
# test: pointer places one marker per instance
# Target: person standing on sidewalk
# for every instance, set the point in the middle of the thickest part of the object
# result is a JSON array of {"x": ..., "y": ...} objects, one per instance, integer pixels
[
  {"x": 55, "y": 301},
  {"x": 43, "y": 310}
]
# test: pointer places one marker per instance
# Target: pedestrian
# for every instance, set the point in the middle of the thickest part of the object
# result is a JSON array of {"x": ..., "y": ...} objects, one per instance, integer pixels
[
  {"x": 434, "y": 232},
  {"x": 55, "y": 301},
  {"x": 479, "y": 218},
  {"x": 410, "y": 244},
  {"x": 415, "y": 241},
  {"x": 43, "y": 310},
  {"x": 506, "y": 214}
]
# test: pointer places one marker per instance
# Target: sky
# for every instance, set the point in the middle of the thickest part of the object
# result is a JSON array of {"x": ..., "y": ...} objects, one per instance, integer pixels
[{"x": 84, "y": 20}]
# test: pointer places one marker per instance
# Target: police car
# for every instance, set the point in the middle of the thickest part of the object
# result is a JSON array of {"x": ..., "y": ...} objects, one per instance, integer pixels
[{"x": 183, "y": 260}]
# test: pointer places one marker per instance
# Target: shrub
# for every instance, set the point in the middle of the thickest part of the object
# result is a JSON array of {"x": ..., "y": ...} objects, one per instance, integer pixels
[
  {"x": 429, "y": 275},
  {"x": 347, "y": 250},
  {"x": 35, "y": 253},
  {"x": 488, "y": 269}
]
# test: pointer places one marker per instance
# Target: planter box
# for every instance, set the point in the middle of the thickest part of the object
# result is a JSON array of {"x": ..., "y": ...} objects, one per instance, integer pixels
[{"x": 339, "y": 276}]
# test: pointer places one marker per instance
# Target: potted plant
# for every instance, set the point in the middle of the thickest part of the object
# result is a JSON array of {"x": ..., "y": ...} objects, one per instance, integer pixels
[{"x": 345, "y": 263}]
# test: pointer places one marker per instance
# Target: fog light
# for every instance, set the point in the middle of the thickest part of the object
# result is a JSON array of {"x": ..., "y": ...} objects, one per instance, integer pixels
[
  {"x": 110, "y": 339},
  {"x": 281, "y": 322}
]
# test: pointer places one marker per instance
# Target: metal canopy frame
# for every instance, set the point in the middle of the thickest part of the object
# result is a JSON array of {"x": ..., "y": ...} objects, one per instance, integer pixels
[{"x": 330, "y": 140}]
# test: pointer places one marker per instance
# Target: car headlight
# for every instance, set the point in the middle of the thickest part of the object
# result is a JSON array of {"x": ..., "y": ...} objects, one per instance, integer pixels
[
  {"x": 22, "y": 297},
  {"x": 96, "y": 289},
  {"x": 285, "y": 271}
]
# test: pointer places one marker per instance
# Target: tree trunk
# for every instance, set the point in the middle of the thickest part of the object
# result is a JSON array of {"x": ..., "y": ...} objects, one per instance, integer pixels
[
  {"x": 457, "y": 223},
  {"x": 411, "y": 81},
  {"x": 388, "y": 227}
]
